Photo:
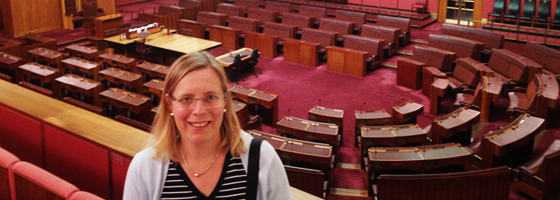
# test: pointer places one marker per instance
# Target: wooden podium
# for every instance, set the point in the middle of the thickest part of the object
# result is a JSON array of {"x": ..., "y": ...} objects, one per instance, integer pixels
[{"x": 107, "y": 22}]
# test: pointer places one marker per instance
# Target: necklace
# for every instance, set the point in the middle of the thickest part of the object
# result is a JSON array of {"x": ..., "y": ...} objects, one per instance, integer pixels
[{"x": 195, "y": 174}]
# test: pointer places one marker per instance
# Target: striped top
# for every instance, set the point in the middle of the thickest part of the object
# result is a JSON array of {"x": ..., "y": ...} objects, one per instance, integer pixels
[{"x": 232, "y": 183}]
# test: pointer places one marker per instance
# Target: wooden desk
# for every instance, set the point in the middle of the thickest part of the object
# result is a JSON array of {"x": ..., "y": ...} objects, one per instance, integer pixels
[
  {"x": 154, "y": 88},
  {"x": 518, "y": 135},
  {"x": 88, "y": 53},
  {"x": 120, "y": 77},
  {"x": 88, "y": 68},
  {"x": 370, "y": 118},
  {"x": 9, "y": 64},
  {"x": 490, "y": 93},
  {"x": 548, "y": 96},
  {"x": 429, "y": 74},
  {"x": 256, "y": 97},
  {"x": 455, "y": 126},
  {"x": 409, "y": 73},
  {"x": 87, "y": 87},
  {"x": 107, "y": 22},
  {"x": 152, "y": 70},
  {"x": 46, "y": 55},
  {"x": 407, "y": 113},
  {"x": 437, "y": 92},
  {"x": 392, "y": 136},
  {"x": 309, "y": 130},
  {"x": 293, "y": 150},
  {"x": 242, "y": 114},
  {"x": 12, "y": 47},
  {"x": 420, "y": 159},
  {"x": 40, "y": 72},
  {"x": 227, "y": 59},
  {"x": 133, "y": 102},
  {"x": 116, "y": 60}
]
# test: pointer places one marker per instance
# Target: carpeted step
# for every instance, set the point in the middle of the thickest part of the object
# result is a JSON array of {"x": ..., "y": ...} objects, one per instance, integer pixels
[{"x": 341, "y": 180}]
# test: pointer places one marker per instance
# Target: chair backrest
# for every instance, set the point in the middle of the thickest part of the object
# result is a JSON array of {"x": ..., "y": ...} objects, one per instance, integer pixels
[
  {"x": 110, "y": 32},
  {"x": 237, "y": 60},
  {"x": 548, "y": 58},
  {"x": 357, "y": 17},
  {"x": 185, "y": 31},
  {"x": 262, "y": 14},
  {"x": 499, "y": 6},
  {"x": 211, "y": 18},
  {"x": 544, "y": 8},
  {"x": 255, "y": 55},
  {"x": 280, "y": 30},
  {"x": 465, "y": 72},
  {"x": 374, "y": 46},
  {"x": 325, "y": 38},
  {"x": 90, "y": 9},
  {"x": 301, "y": 21},
  {"x": 557, "y": 12},
  {"x": 281, "y": 7},
  {"x": 230, "y": 9},
  {"x": 313, "y": 11},
  {"x": 70, "y": 7},
  {"x": 529, "y": 7},
  {"x": 7, "y": 160},
  {"x": 513, "y": 7},
  {"x": 28, "y": 177},
  {"x": 140, "y": 46}
]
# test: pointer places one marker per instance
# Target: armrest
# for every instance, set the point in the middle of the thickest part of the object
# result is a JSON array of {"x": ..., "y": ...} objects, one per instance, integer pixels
[
  {"x": 449, "y": 74},
  {"x": 466, "y": 86},
  {"x": 512, "y": 82},
  {"x": 254, "y": 123},
  {"x": 468, "y": 91},
  {"x": 468, "y": 105},
  {"x": 524, "y": 111},
  {"x": 519, "y": 90}
]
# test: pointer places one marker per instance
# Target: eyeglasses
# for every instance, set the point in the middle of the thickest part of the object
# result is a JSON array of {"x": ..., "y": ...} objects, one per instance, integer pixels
[{"x": 210, "y": 101}]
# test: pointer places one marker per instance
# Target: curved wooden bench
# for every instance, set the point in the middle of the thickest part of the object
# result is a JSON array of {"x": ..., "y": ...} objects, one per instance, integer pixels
[
  {"x": 462, "y": 47},
  {"x": 397, "y": 22},
  {"x": 358, "y": 55},
  {"x": 540, "y": 177},
  {"x": 391, "y": 36},
  {"x": 271, "y": 39}
]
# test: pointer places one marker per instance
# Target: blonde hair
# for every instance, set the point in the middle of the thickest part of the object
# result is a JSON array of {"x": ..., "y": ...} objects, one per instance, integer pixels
[{"x": 164, "y": 131}]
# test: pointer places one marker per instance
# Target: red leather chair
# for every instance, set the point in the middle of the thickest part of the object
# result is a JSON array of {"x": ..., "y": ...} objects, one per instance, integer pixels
[
  {"x": 32, "y": 182},
  {"x": 141, "y": 50},
  {"x": 420, "y": 6},
  {"x": 83, "y": 195},
  {"x": 7, "y": 160}
]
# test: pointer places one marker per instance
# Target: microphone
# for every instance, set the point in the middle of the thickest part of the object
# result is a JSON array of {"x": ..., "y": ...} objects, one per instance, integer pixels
[
  {"x": 362, "y": 107},
  {"x": 289, "y": 112},
  {"x": 319, "y": 102}
]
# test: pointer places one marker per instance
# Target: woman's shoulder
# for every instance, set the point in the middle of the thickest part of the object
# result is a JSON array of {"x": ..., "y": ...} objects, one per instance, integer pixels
[
  {"x": 146, "y": 157},
  {"x": 266, "y": 148}
]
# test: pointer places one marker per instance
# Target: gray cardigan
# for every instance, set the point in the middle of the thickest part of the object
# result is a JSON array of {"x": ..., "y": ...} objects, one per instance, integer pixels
[{"x": 146, "y": 176}]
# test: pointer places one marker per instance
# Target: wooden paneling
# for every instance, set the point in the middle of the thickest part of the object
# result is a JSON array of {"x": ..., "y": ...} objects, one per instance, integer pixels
[
  {"x": 108, "y": 6},
  {"x": 22, "y": 16}
]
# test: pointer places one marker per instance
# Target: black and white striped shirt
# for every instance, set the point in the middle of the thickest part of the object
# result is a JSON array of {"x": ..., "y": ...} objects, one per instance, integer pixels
[{"x": 232, "y": 183}]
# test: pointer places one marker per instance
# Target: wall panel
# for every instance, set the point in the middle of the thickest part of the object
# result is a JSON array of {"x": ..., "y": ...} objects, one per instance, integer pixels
[{"x": 33, "y": 16}]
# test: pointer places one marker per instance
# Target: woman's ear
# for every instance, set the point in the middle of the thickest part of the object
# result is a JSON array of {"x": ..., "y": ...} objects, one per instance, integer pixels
[{"x": 169, "y": 102}]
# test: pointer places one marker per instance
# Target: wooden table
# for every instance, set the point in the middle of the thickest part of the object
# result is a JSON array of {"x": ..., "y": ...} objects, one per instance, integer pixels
[
  {"x": 407, "y": 112},
  {"x": 179, "y": 43},
  {"x": 132, "y": 102},
  {"x": 86, "y": 87},
  {"x": 437, "y": 92},
  {"x": 548, "y": 95},
  {"x": 152, "y": 70},
  {"x": 490, "y": 93},
  {"x": 107, "y": 22},
  {"x": 256, "y": 97},
  {"x": 309, "y": 130},
  {"x": 409, "y": 73},
  {"x": 128, "y": 44},
  {"x": 86, "y": 67},
  {"x": 120, "y": 77},
  {"x": 328, "y": 115},
  {"x": 40, "y": 72},
  {"x": 46, "y": 55},
  {"x": 88, "y": 53},
  {"x": 370, "y": 118},
  {"x": 455, "y": 126},
  {"x": 116, "y": 60},
  {"x": 227, "y": 59}
]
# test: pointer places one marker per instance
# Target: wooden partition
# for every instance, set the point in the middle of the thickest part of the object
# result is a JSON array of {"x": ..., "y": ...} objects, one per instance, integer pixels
[
  {"x": 229, "y": 37},
  {"x": 483, "y": 184},
  {"x": 24, "y": 16},
  {"x": 81, "y": 147}
]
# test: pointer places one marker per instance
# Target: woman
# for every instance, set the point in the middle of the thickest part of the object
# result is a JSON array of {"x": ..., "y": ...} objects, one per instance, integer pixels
[{"x": 197, "y": 149}]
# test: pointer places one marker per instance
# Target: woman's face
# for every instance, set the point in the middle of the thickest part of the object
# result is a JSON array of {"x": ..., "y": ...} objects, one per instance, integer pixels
[{"x": 200, "y": 121}]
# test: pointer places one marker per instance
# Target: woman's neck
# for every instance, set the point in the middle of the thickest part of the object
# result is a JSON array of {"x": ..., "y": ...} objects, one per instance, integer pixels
[{"x": 200, "y": 150}]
